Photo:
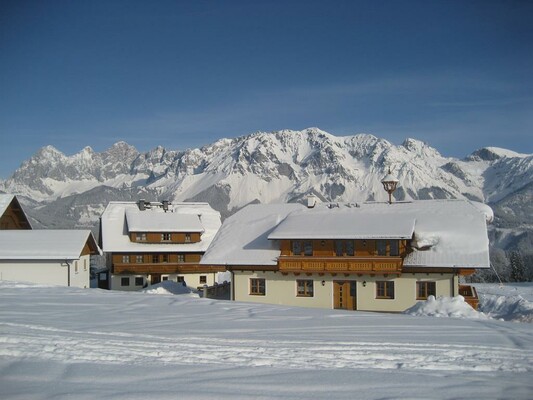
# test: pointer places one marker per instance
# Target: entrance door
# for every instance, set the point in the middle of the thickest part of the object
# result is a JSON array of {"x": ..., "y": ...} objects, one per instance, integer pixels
[
  {"x": 156, "y": 278},
  {"x": 345, "y": 295}
]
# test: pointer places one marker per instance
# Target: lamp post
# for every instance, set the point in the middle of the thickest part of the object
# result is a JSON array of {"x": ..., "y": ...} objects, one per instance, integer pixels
[{"x": 389, "y": 184}]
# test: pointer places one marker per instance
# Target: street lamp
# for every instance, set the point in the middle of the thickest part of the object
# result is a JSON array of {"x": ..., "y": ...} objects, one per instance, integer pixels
[{"x": 389, "y": 184}]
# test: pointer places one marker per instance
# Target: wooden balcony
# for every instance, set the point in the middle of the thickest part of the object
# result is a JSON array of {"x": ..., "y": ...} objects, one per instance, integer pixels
[
  {"x": 165, "y": 268},
  {"x": 344, "y": 265},
  {"x": 470, "y": 295}
]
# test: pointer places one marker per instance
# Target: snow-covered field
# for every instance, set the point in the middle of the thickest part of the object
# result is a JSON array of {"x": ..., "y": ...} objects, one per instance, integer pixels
[{"x": 65, "y": 343}]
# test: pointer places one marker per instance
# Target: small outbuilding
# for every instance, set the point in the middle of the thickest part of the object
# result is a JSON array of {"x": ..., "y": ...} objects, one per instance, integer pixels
[{"x": 51, "y": 257}]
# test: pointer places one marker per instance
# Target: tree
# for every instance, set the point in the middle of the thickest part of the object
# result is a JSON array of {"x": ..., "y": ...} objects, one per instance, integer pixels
[{"x": 518, "y": 269}]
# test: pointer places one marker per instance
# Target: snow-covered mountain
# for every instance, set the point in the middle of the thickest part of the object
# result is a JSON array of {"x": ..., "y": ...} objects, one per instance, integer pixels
[{"x": 281, "y": 166}]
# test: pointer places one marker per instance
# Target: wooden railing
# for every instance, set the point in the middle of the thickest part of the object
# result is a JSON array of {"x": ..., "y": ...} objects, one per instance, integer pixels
[
  {"x": 470, "y": 295},
  {"x": 165, "y": 268},
  {"x": 363, "y": 265}
]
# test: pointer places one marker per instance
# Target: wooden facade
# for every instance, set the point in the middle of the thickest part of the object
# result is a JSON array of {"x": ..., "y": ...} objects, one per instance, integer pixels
[
  {"x": 14, "y": 217},
  {"x": 165, "y": 237}
]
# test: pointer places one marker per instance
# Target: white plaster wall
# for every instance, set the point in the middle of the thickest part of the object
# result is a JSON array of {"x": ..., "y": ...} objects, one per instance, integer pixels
[
  {"x": 281, "y": 289},
  {"x": 45, "y": 272},
  {"x": 192, "y": 280}
]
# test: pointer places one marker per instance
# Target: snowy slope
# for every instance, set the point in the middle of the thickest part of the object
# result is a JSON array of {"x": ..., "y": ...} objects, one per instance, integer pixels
[{"x": 63, "y": 343}]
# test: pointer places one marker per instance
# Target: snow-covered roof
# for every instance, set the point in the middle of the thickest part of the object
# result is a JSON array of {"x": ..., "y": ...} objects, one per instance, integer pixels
[
  {"x": 150, "y": 221},
  {"x": 447, "y": 233},
  {"x": 121, "y": 217},
  {"x": 44, "y": 244},
  {"x": 5, "y": 201},
  {"x": 243, "y": 238},
  {"x": 341, "y": 223}
]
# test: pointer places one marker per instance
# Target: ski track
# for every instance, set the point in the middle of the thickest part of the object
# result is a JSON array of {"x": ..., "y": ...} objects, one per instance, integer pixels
[{"x": 32, "y": 341}]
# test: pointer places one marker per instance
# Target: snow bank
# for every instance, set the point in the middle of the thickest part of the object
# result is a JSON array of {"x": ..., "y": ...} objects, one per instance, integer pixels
[
  {"x": 509, "y": 301},
  {"x": 170, "y": 287},
  {"x": 514, "y": 308},
  {"x": 455, "y": 307}
]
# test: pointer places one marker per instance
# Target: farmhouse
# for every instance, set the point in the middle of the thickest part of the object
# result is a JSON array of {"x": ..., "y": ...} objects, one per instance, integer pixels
[
  {"x": 149, "y": 242},
  {"x": 367, "y": 256}
]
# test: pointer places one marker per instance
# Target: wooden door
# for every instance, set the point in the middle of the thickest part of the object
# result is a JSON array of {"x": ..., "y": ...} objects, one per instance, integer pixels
[
  {"x": 156, "y": 278},
  {"x": 345, "y": 295}
]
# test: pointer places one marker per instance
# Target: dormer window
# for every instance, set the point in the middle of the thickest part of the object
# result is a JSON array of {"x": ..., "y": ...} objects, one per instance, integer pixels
[
  {"x": 140, "y": 237},
  {"x": 165, "y": 237},
  {"x": 187, "y": 238}
]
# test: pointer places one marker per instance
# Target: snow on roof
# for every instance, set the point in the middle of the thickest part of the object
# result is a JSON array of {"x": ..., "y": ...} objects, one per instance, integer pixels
[
  {"x": 44, "y": 244},
  {"x": 5, "y": 201},
  {"x": 151, "y": 221},
  {"x": 344, "y": 223},
  {"x": 116, "y": 219},
  {"x": 243, "y": 238},
  {"x": 447, "y": 233}
]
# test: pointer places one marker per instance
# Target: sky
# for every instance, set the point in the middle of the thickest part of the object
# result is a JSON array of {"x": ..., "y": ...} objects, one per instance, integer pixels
[{"x": 182, "y": 74}]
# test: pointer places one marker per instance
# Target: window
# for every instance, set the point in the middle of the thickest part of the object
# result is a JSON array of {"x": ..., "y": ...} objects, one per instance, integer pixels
[
  {"x": 165, "y": 258},
  {"x": 125, "y": 259},
  {"x": 181, "y": 279},
  {"x": 125, "y": 281},
  {"x": 296, "y": 248},
  {"x": 140, "y": 237},
  {"x": 155, "y": 258},
  {"x": 339, "y": 248},
  {"x": 181, "y": 258},
  {"x": 350, "y": 249},
  {"x": 382, "y": 247},
  {"x": 165, "y": 237},
  {"x": 425, "y": 289},
  {"x": 187, "y": 238},
  {"x": 308, "y": 248},
  {"x": 385, "y": 290},
  {"x": 165, "y": 278},
  {"x": 394, "y": 248},
  {"x": 203, "y": 279},
  {"x": 139, "y": 259},
  {"x": 85, "y": 264},
  {"x": 257, "y": 287},
  {"x": 139, "y": 281},
  {"x": 304, "y": 288},
  {"x": 75, "y": 266}
]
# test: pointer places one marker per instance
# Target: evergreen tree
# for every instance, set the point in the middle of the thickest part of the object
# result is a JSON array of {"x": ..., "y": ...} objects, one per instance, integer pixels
[{"x": 518, "y": 269}]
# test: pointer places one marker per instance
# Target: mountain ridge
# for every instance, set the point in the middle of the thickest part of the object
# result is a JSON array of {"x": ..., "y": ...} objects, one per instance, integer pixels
[{"x": 280, "y": 166}]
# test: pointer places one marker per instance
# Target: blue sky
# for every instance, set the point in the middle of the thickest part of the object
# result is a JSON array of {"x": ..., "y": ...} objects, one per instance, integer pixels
[{"x": 456, "y": 74}]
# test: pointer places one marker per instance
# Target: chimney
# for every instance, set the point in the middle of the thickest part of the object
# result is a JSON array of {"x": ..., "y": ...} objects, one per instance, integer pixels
[
  {"x": 141, "y": 205},
  {"x": 311, "y": 201}
]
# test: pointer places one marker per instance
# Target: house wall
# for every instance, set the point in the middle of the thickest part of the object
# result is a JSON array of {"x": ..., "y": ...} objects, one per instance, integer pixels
[
  {"x": 46, "y": 272},
  {"x": 191, "y": 280},
  {"x": 281, "y": 289}
]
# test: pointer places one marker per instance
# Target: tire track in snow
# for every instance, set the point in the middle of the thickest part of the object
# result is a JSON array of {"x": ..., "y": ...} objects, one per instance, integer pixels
[{"x": 27, "y": 341}]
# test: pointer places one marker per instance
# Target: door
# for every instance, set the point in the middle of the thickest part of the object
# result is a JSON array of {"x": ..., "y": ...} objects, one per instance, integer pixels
[
  {"x": 345, "y": 295},
  {"x": 156, "y": 278}
]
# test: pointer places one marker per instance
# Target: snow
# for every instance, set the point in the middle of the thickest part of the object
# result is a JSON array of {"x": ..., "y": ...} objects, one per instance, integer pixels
[
  {"x": 59, "y": 343},
  {"x": 115, "y": 226},
  {"x": 447, "y": 233},
  {"x": 509, "y": 302},
  {"x": 5, "y": 201},
  {"x": 170, "y": 288},
  {"x": 152, "y": 221},
  {"x": 341, "y": 222},
  {"x": 445, "y": 307},
  {"x": 243, "y": 238},
  {"x": 49, "y": 244}
]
